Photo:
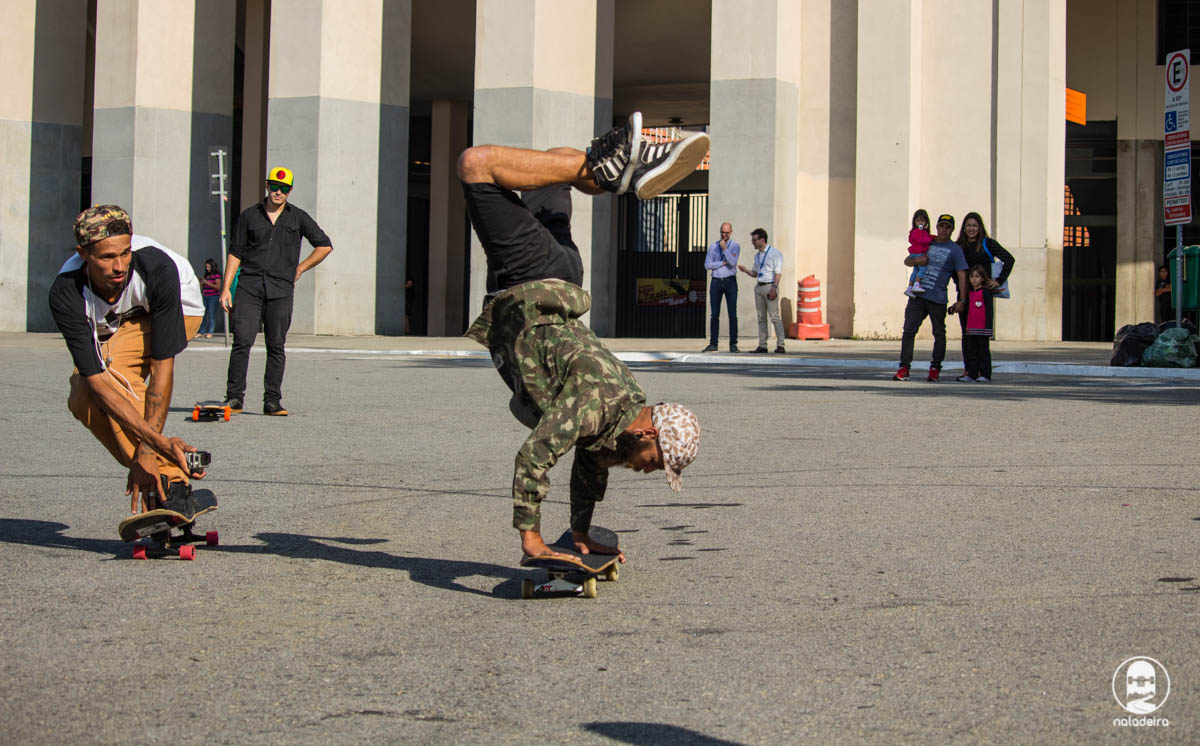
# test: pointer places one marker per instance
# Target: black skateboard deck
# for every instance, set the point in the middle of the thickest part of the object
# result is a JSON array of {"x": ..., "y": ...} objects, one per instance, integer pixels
[
  {"x": 210, "y": 410},
  {"x": 562, "y": 574},
  {"x": 157, "y": 525}
]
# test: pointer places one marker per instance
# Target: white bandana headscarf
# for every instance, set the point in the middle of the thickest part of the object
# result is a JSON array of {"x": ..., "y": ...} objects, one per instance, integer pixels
[{"x": 678, "y": 438}]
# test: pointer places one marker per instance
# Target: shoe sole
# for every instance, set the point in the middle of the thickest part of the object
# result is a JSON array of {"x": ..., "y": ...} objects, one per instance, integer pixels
[
  {"x": 280, "y": 413},
  {"x": 682, "y": 161},
  {"x": 635, "y": 151}
]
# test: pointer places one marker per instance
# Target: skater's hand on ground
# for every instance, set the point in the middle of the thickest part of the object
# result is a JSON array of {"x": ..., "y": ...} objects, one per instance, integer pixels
[{"x": 585, "y": 544}]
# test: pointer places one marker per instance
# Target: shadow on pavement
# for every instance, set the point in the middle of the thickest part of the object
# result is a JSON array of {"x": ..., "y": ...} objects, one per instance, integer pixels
[
  {"x": 430, "y": 571},
  {"x": 646, "y": 734}
]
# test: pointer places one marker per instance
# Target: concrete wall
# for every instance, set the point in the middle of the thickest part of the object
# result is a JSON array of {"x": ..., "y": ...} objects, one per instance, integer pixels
[{"x": 42, "y": 54}]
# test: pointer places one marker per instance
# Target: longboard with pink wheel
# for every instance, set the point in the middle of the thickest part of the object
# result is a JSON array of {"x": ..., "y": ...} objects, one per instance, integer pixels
[{"x": 164, "y": 532}]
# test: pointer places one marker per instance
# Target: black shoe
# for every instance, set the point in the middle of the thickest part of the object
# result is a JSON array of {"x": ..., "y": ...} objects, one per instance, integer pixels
[
  {"x": 662, "y": 165},
  {"x": 779, "y": 350},
  {"x": 734, "y": 348},
  {"x": 274, "y": 409},
  {"x": 710, "y": 348},
  {"x": 234, "y": 404},
  {"x": 613, "y": 155},
  {"x": 179, "y": 499},
  {"x": 759, "y": 351}
]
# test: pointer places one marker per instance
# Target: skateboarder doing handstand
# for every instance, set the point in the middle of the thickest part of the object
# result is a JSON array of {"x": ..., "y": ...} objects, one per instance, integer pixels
[
  {"x": 567, "y": 387},
  {"x": 122, "y": 314}
]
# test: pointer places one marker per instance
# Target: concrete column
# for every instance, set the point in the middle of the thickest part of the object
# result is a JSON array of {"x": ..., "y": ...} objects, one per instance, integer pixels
[
  {"x": 754, "y": 110},
  {"x": 537, "y": 85},
  {"x": 447, "y": 220},
  {"x": 1030, "y": 110},
  {"x": 1139, "y": 229},
  {"x": 42, "y": 45},
  {"x": 164, "y": 96},
  {"x": 338, "y": 117},
  {"x": 888, "y": 158}
]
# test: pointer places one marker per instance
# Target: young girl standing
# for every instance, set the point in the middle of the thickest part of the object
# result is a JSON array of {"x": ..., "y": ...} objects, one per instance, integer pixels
[
  {"x": 919, "y": 239},
  {"x": 977, "y": 327}
]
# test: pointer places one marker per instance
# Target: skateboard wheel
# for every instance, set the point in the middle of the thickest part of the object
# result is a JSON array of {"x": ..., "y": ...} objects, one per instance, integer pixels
[
  {"x": 195, "y": 415},
  {"x": 526, "y": 588},
  {"x": 227, "y": 414},
  {"x": 187, "y": 552},
  {"x": 612, "y": 573},
  {"x": 139, "y": 551},
  {"x": 211, "y": 538},
  {"x": 589, "y": 587}
]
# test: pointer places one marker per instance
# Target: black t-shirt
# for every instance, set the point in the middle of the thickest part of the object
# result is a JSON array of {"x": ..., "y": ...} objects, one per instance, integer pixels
[{"x": 86, "y": 320}]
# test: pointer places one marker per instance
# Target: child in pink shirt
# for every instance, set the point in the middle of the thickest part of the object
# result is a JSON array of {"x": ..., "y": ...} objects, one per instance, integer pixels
[
  {"x": 977, "y": 328},
  {"x": 918, "y": 243}
]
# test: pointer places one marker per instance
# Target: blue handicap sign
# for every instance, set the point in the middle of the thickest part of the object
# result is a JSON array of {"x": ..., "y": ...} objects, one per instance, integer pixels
[{"x": 1171, "y": 123}]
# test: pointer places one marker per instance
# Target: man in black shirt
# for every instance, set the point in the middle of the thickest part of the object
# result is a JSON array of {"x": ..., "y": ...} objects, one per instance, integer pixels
[
  {"x": 266, "y": 249},
  {"x": 125, "y": 314}
]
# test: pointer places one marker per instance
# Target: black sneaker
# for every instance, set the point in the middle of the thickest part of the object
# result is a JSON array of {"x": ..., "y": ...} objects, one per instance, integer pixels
[
  {"x": 710, "y": 348},
  {"x": 275, "y": 409},
  {"x": 779, "y": 350},
  {"x": 759, "y": 351},
  {"x": 179, "y": 499},
  {"x": 734, "y": 348},
  {"x": 613, "y": 155},
  {"x": 234, "y": 404},
  {"x": 662, "y": 165}
]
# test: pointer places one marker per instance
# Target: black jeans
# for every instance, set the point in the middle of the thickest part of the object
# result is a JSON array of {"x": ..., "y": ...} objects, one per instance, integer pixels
[
  {"x": 275, "y": 314},
  {"x": 977, "y": 355},
  {"x": 724, "y": 286},
  {"x": 914, "y": 314}
]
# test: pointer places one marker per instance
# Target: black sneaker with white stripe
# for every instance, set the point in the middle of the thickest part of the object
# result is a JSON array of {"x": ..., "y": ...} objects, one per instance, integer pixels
[
  {"x": 613, "y": 155},
  {"x": 661, "y": 166}
]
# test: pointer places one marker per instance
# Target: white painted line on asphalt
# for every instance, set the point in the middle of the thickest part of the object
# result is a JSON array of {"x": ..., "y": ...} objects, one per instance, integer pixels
[{"x": 1028, "y": 367}]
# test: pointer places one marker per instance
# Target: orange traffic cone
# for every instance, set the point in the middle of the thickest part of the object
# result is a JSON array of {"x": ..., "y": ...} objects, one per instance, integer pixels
[{"x": 809, "y": 306}]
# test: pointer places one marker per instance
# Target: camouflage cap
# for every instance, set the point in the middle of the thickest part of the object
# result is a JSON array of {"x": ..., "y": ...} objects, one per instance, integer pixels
[
  {"x": 101, "y": 221},
  {"x": 678, "y": 438}
]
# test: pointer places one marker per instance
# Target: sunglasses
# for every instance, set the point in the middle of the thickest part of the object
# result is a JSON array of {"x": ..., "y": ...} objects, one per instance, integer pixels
[{"x": 272, "y": 186}]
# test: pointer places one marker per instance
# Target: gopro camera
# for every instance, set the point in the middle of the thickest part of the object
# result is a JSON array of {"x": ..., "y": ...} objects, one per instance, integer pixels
[{"x": 198, "y": 461}]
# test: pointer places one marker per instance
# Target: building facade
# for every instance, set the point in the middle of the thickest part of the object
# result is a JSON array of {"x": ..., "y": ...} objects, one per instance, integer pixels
[{"x": 831, "y": 122}]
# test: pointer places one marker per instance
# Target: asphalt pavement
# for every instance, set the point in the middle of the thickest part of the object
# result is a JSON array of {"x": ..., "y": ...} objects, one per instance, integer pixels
[{"x": 852, "y": 559}]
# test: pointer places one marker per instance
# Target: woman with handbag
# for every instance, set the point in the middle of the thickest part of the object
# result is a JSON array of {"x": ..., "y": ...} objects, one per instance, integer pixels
[{"x": 978, "y": 248}]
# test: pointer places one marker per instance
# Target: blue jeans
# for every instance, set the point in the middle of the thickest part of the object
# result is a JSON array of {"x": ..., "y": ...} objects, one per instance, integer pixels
[
  {"x": 212, "y": 307},
  {"x": 724, "y": 286}
]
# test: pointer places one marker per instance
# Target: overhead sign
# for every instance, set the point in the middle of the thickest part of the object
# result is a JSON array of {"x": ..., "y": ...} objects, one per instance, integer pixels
[{"x": 1177, "y": 140}]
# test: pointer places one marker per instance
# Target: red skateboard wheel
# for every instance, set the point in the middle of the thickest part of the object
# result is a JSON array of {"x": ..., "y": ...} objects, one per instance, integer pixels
[
  {"x": 187, "y": 552},
  {"x": 227, "y": 414},
  {"x": 195, "y": 415},
  {"x": 211, "y": 538},
  {"x": 139, "y": 551}
]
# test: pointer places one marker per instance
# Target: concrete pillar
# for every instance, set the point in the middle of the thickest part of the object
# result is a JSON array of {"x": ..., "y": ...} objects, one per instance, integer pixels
[
  {"x": 163, "y": 97},
  {"x": 539, "y": 83},
  {"x": 447, "y": 220},
  {"x": 1030, "y": 111},
  {"x": 42, "y": 45},
  {"x": 888, "y": 158},
  {"x": 754, "y": 110},
  {"x": 338, "y": 117}
]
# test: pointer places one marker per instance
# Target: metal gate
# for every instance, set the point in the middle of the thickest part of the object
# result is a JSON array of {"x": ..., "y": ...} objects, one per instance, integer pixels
[{"x": 660, "y": 265}]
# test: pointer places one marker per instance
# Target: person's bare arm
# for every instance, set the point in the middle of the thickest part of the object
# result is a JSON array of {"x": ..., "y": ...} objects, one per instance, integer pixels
[
  {"x": 916, "y": 260},
  {"x": 316, "y": 257}
]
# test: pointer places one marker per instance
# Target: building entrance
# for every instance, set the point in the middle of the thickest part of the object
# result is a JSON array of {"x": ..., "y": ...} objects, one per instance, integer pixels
[{"x": 1090, "y": 232}]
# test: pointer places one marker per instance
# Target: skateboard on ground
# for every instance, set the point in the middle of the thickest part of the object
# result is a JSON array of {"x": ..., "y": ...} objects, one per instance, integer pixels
[
  {"x": 210, "y": 410},
  {"x": 157, "y": 526},
  {"x": 572, "y": 577}
]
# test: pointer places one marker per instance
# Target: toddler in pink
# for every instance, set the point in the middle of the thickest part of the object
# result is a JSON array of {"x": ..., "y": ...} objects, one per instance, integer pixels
[{"x": 919, "y": 239}]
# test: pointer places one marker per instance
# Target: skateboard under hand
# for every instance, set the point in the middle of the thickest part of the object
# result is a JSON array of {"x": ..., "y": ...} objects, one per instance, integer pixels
[
  {"x": 575, "y": 577},
  {"x": 157, "y": 525},
  {"x": 210, "y": 410}
]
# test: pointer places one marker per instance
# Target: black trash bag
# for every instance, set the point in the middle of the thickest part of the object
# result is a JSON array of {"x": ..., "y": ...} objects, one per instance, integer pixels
[
  {"x": 1131, "y": 341},
  {"x": 1174, "y": 348},
  {"x": 1187, "y": 324}
]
